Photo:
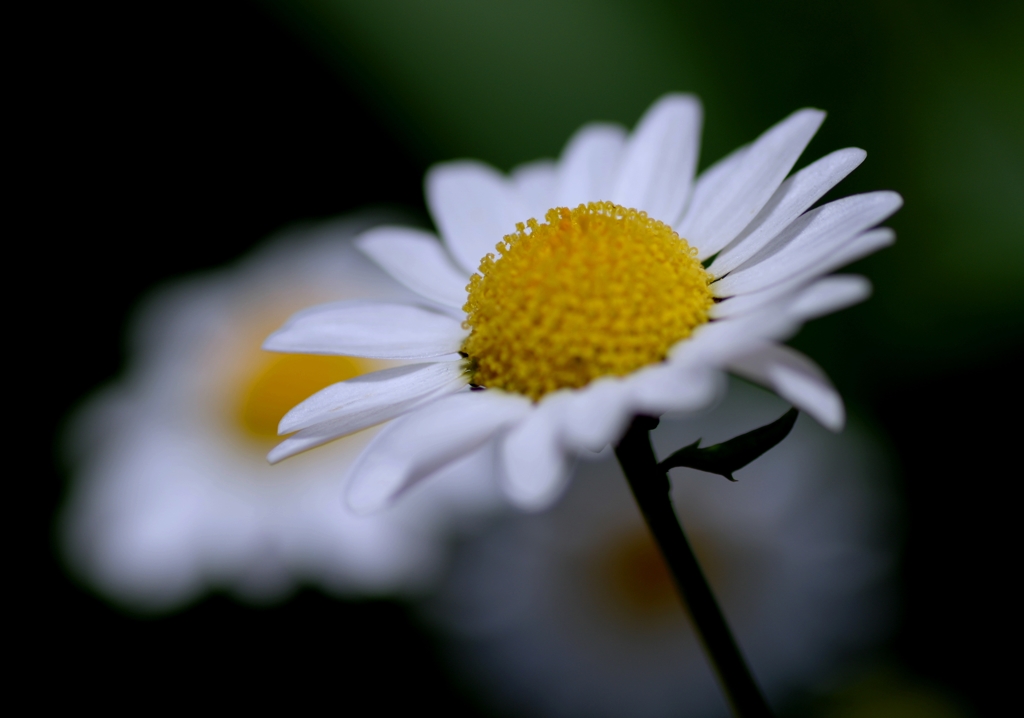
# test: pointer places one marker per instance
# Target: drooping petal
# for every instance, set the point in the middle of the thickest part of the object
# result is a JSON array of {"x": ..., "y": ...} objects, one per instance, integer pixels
[
  {"x": 861, "y": 246},
  {"x": 586, "y": 170},
  {"x": 368, "y": 329},
  {"x": 416, "y": 259},
  {"x": 372, "y": 398},
  {"x": 658, "y": 164},
  {"x": 790, "y": 200},
  {"x": 535, "y": 465},
  {"x": 714, "y": 222},
  {"x": 809, "y": 241},
  {"x": 537, "y": 183},
  {"x": 795, "y": 378},
  {"x": 473, "y": 206},
  {"x": 417, "y": 444}
]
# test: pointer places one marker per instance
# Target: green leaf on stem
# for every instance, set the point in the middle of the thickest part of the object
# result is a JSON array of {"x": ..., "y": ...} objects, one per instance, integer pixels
[{"x": 734, "y": 454}]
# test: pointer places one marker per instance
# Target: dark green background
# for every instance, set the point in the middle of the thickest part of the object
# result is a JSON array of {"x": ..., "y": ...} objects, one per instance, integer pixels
[{"x": 169, "y": 138}]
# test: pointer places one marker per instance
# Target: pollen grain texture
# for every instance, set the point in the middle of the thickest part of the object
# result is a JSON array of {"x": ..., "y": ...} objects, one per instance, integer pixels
[{"x": 599, "y": 290}]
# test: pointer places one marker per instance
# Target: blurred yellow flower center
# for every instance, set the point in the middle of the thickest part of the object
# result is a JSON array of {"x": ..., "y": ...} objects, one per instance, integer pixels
[
  {"x": 284, "y": 381},
  {"x": 599, "y": 290},
  {"x": 631, "y": 572}
]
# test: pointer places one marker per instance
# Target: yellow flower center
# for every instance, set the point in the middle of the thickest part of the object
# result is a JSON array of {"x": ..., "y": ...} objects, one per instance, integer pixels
[
  {"x": 285, "y": 380},
  {"x": 599, "y": 290}
]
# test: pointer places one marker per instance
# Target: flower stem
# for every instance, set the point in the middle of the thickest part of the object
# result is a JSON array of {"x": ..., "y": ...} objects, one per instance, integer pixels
[{"x": 651, "y": 486}]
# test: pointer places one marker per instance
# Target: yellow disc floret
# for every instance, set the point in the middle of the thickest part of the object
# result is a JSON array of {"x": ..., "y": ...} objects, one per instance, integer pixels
[{"x": 599, "y": 290}]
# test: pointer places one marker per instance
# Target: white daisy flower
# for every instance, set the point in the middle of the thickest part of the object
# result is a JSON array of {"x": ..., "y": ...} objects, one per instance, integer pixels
[
  {"x": 171, "y": 494},
  {"x": 601, "y": 312},
  {"x": 573, "y": 612}
]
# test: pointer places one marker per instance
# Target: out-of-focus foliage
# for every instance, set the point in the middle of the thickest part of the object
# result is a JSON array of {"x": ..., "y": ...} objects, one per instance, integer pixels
[
  {"x": 933, "y": 91},
  {"x": 506, "y": 81}
]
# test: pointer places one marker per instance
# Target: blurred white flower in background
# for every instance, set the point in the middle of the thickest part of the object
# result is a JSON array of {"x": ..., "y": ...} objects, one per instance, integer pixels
[
  {"x": 573, "y": 613},
  {"x": 171, "y": 494}
]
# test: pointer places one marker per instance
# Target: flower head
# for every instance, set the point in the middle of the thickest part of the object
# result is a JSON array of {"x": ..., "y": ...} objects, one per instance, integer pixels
[{"x": 634, "y": 293}]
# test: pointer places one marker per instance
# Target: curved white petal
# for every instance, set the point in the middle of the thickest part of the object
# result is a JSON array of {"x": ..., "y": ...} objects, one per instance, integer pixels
[
  {"x": 473, "y": 206},
  {"x": 416, "y": 259},
  {"x": 660, "y": 158},
  {"x": 417, "y": 444},
  {"x": 535, "y": 465},
  {"x": 372, "y": 398},
  {"x": 861, "y": 246},
  {"x": 715, "y": 221},
  {"x": 809, "y": 241},
  {"x": 537, "y": 183},
  {"x": 597, "y": 414},
  {"x": 790, "y": 200},
  {"x": 368, "y": 329},
  {"x": 796, "y": 378},
  {"x": 586, "y": 170}
]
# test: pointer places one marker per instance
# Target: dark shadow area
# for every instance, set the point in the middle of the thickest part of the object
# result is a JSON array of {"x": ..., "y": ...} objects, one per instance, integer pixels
[{"x": 955, "y": 436}]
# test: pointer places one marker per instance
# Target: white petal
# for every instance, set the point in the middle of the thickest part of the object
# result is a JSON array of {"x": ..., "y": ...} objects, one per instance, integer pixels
[
  {"x": 809, "y": 241},
  {"x": 710, "y": 183},
  {"x": 537, "y": 183},
  {"x": 361, "y": 417},
  {"x": 829, "y": 295},
  {"x": 372, "y": 398},
  {"x": 671, "y": 387},
  {"x": 790, "y": 200},
  {"x": 535, "y": 465},
  {"x": 417, "y": 444},
  {"x": 473, "y": 206},
  {"x": 586, "y": 170},
  {"x": 416, "y": 259},
  {"x": 859, "y": 247},
  {"x": 796, "y": 378},
  {"x": 715, "y": 221},
  {"x": 597, "y": 414},
  {"x": 716, "y": 343},
  {"x": 368, "y": 329},
  {"x": 800, "y": 302},
  {"x": 660, "y": 158}
]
